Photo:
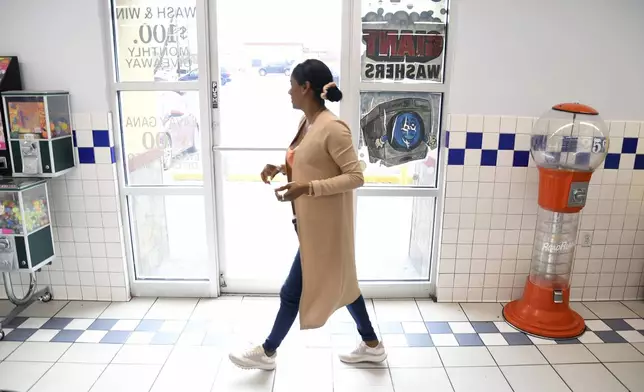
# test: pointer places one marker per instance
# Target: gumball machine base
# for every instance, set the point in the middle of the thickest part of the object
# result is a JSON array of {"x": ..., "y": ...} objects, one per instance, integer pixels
[{"x": 538, "y": 313}]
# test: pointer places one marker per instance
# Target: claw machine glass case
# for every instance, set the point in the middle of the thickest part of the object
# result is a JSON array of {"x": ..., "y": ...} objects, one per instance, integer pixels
[
  {"x": 40, "y": 133},
  {"x": 26, "y": 239},
  {"x": 10, "y": 79}
]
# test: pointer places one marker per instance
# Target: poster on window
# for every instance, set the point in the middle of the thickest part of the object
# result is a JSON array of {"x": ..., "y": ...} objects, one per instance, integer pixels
[
  {"x": 398, "y": 128},
  {"x": 403, "y": 42}
]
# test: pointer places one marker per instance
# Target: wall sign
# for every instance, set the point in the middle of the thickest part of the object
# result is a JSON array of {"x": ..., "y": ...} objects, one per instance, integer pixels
[{"x": 214, "y": 91}]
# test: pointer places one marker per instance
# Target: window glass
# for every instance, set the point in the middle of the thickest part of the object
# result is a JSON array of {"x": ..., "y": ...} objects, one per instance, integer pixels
[
  {"x": 161, "y": 137},
  {"x": 155, "y": 40},
  {"x": 403, "y": 41}
]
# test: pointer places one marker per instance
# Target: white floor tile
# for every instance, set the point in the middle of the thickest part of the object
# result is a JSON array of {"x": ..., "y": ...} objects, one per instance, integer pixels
[
  {"x": 39, "y": 352},
  {"x": 414, "y": 380},
  {"x": 504, "y": 327},
  {"x": 395, "y": 340},
  {"x": 493, "y": 339},
  {"x": 474, "y": 379},
  {"x": 42, "y": 309},
  {"x": 541, "y": 341},
  {"x": 20, "y": 376},
  {"x": 79, "y": 324},
  {"x": 630, "y": 374},
  {"x": 597, "y": 325},
  {"x": 610, "y": 310},
  {"x": 83, "y": 309},
  {"x": 615, "y": 352},
  {"x": 91, "y": 337},
  {"x": 172, "y": 309},
  {"x": 639, "y": 346},
  {"x": 189, "y": 369},
  {"x": 590, "y": 337},
  {"x": 33, "y": 322},
  {"x": 483, "y": 311},
  {"x": 134, "y": 309},
  {"x": 414, "y": 327},
  {"x": 231, "y": 379},
  {"x": 537, "y": 378},
  {"x": 461, "y": 327},
  {"x": 69, "y": 377},
  {"x": 6, "y": 348},
  {"x": 635, "y": 306},
  {"x": 437, "y": 311},
  {"x": 127, "y": 378},
  {"x": 632, "y": 336},
  {"x": 413, "y": 357},
  {"x": 397, "y": 310},
  {"x": 362, "y": 378},
  {"x": 140, "y": 337},
  {"x": 517, "y": 355},
  {"x": 444, "y": 340},
  {"x": 126, "y": 325},
  {"x": 90, "y": 353},
  {"x": 636, "y": 323},
  {"x": 43, "y": 335},
  {"x": 465, "y": 356},
  {"x": 362, "y": 388},
  {"x": 567, "y": 353},
  {"x": 143, "y": 355},
  {"x": 222, "y": 308},
  {"x": 589, "y": 378},
  {"x": 583, "y": 311}
]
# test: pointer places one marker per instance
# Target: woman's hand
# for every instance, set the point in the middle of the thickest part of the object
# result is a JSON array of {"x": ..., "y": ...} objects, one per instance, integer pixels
[
  {"x": 269, "y": 172},
  {"x": 293, "y": 191}
]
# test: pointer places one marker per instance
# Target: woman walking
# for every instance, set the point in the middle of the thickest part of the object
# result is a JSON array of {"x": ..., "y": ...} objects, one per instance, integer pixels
[{"x": 322, "y": 170}]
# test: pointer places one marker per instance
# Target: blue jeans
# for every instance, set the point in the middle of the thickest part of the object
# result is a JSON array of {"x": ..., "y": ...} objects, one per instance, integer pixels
[{"x": 290, "y": 305}]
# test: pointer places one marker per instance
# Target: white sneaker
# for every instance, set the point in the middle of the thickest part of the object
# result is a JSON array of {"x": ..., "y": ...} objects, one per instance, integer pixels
[
  {"x": 364, "y": 353},
  {"x": 254, "y": 358}
]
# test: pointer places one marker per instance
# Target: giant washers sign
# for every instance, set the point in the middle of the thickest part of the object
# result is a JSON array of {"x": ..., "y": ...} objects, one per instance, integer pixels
[{"x": 403, "y": 48}]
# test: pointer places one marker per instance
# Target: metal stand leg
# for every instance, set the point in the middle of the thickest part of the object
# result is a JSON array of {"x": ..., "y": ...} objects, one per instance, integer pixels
[{"x": 32, "y": 295}]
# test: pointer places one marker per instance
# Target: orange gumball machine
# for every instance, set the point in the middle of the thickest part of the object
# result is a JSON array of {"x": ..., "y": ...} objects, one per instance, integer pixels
[{"x": 568, "y": 143}]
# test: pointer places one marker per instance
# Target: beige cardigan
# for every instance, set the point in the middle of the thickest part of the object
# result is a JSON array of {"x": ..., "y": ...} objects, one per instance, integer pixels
[{"x": 326, "y": 157}]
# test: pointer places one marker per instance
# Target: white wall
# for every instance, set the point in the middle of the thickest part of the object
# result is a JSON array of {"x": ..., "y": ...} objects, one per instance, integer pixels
[
  {"x": 520, "y": 57},
  {"x": 60, "y": 46}
]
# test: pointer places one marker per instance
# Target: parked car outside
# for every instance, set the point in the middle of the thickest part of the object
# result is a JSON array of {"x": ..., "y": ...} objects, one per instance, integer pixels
[
  {"x": 194, "y": 75},
  {"x": 283, "y": 67}
]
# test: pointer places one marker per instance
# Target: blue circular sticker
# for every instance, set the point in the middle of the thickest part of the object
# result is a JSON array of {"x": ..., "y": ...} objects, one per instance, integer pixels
[{"x": 407, "y": 131}]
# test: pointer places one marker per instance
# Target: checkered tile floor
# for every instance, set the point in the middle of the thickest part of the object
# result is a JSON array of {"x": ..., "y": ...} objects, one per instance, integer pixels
[{"x": 446, "y": 338}]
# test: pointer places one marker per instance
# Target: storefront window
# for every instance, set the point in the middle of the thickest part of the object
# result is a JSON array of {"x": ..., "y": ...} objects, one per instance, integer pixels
[
  {"x": 156, "y": 40},
  {"x": 403, "y": 41}
]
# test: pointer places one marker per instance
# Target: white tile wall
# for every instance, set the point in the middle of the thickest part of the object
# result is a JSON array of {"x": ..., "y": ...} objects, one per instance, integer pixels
[
  {"x": 490, "y": 218},
  {"x": 90, "y": 261}
]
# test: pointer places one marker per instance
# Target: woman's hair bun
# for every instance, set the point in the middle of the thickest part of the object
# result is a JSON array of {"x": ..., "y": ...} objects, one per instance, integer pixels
[{"x": 333, "y": 94}]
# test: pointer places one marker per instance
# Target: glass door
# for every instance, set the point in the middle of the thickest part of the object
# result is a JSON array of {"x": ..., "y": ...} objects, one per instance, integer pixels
[
  {"x": 398, "y": 52},
  {"x": 164, "y": 141},
  {"x": 260, "y": 41}
]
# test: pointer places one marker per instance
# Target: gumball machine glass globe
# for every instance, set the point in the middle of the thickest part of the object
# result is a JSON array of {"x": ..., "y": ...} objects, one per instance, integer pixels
[{"x": 570, "y": 137}]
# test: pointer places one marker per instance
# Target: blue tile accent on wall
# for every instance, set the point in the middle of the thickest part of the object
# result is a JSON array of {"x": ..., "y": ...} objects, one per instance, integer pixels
[
  {"x": 612, "y": 161},
  {"x": 521, "y": 159},
  {"x": 101, "y": 138},
  {"x": 456, "y": 156},
  {"x": 113, "y": 154},
  {"x": 488, "y": 157},
  {"x": 639, "y": 162},
  {"x": 553, "y": 154},
  {"x": 86, "y": 155},
  {"x": 506, "y": 141},
  {"x": 629, "y": 145},
  {"x": 474, "y": 140},
  {"x": 74, "y": 138},
  {"x": 447, "y": 139}
]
